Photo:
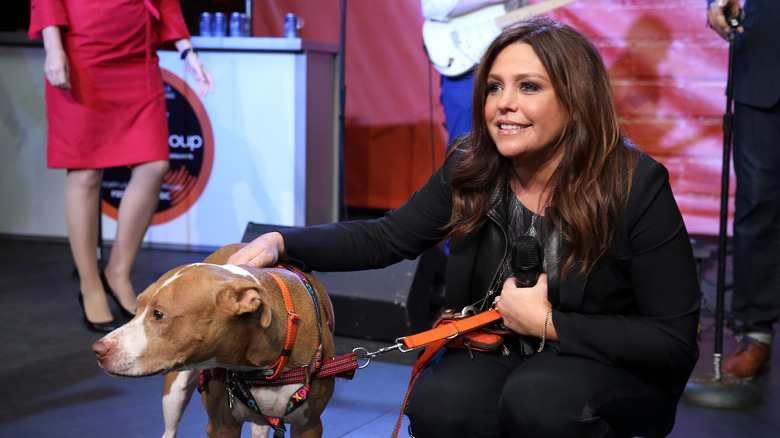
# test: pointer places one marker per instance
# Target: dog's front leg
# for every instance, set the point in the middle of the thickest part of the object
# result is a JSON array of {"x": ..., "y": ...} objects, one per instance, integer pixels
[
  {"x": 177, "y": 392},
  {"x": 259, "y": 431}
]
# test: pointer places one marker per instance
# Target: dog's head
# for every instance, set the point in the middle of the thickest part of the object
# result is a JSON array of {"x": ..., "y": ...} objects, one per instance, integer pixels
[{"x": 193, "y": 317}]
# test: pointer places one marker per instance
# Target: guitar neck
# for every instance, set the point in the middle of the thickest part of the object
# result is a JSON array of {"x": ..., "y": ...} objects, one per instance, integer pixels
[{"x": 529, "y": 11}]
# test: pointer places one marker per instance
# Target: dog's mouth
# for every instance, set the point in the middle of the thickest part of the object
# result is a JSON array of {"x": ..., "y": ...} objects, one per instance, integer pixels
[
  {"x": 130, "y": 371},
  {"x": 134, "y": 376},
  {"x": 126, "y": 374},
  {"x": 132, "y": 368}
]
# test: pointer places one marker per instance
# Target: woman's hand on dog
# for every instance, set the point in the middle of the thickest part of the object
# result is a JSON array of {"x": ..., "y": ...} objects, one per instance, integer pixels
[{"x": 261, "y": 252}]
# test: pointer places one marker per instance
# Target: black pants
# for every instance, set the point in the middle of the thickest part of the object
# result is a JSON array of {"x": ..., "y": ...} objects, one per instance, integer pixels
[
  {"x": 544, "y": 395},
  {"x": 756, "y": 298}
]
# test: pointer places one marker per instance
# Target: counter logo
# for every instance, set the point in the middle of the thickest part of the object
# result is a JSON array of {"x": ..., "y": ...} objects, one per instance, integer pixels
[{"x": 191, "y": 145}]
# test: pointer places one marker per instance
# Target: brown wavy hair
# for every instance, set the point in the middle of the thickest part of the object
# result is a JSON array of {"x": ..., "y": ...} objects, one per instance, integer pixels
[{"x": 589, "y": 188}]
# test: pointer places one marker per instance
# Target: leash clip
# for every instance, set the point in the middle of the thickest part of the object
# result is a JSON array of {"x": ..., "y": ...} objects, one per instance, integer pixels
[{"x": 370, "y": 355}]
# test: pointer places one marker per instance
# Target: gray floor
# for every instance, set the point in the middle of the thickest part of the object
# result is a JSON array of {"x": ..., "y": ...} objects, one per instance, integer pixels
[{"x": 52, "y": 386}]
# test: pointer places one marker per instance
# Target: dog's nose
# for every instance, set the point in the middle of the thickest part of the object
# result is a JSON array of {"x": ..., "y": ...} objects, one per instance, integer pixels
[{"x": 100, "y": 349}]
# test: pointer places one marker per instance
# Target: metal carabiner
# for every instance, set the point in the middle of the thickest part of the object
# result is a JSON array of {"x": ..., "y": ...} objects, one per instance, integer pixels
[{"x": 370, "y": 355}]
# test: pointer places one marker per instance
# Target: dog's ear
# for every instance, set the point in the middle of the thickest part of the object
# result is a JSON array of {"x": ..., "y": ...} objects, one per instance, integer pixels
[
  {"x": 265, "y": 311},
  {"x": 249, "y": 298},
  {"x": 248, "y": 301}
]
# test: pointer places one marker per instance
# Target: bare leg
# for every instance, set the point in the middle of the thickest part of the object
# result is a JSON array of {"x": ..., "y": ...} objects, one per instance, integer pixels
[
  {"x": 135, "y": 214},
  {"x": 82, "y": 189}
]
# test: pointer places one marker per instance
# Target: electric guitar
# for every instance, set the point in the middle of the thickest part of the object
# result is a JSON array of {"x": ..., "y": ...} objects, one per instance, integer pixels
[{"x": 456, "y": 45}]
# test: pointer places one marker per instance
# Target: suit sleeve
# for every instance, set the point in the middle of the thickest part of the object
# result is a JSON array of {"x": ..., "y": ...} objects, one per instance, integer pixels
[
  {"x": 45, "y": 13},
  {"x": 403, "y": 233}
]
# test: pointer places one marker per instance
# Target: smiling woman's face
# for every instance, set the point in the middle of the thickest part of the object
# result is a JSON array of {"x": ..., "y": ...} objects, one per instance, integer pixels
[{"x": 522, "y": 111}]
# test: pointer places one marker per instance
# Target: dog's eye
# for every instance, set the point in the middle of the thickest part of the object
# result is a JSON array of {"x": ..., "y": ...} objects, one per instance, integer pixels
[{"x": 158, "y": 314}]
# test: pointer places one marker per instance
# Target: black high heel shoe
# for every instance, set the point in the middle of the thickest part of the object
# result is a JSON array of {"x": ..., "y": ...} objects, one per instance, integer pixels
[
  {"x": 110, "y": 292},
  {"x": 101, "y": 327}
]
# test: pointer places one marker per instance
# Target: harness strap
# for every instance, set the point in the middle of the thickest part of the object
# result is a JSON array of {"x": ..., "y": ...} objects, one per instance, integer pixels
[
  {"x": 450, "y": 331},
  {"x": 313, "y": 293},
  {"x": 342, "y": 367},
  {"x": 292, "y": 328},
  {"x": 302, "y": 394},
  {"x": 245, "y": 396}
]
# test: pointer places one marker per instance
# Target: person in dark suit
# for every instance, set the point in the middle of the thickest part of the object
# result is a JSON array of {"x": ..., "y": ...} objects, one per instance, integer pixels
[
  {"x": 605, "y": 341},
  {"x": 756, "y": 244}
]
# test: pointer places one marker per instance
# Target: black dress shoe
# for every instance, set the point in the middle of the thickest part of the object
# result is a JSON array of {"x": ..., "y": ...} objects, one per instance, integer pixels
[
  {"x": 101, "y": 327},
  {"x": 110, "y": 292}
]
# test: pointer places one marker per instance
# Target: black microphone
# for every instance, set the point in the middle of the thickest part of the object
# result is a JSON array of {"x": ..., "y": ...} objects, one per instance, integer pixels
[{"x": 526, "y": 261}]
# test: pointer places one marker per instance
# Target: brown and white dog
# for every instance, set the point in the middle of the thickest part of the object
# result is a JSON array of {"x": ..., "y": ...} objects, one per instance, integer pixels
[{"x": 212, "y": 315}]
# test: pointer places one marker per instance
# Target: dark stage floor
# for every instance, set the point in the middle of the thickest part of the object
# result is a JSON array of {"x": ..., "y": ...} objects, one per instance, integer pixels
[{"x": 52, "y": 386}]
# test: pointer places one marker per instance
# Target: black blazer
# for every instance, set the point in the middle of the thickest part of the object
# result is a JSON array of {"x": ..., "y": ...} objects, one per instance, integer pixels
[{"x": 638, "y": 309}]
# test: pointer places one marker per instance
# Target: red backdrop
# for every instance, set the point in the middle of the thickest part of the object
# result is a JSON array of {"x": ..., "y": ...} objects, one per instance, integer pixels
[{"x": 668, "y": 72}]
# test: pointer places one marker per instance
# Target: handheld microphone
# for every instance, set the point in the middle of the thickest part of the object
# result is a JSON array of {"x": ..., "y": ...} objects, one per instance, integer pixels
[{"x": 526, "y": 261}]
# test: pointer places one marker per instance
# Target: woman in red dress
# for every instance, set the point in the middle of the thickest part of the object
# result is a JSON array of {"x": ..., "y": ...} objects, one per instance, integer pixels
[{"x": 105, "y": 107}]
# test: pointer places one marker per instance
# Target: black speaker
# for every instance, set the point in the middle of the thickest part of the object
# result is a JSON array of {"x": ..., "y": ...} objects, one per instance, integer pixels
[{"x": 382, "y": 304}]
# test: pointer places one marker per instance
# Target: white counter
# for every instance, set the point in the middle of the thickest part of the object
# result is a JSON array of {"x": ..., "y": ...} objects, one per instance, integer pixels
[{"x": 274, "y": 125}]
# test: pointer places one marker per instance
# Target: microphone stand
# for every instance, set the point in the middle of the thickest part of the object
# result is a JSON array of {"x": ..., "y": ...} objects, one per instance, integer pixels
[
  {"x": 342, "y": 101},
  {"x": 717, "y": 390}
]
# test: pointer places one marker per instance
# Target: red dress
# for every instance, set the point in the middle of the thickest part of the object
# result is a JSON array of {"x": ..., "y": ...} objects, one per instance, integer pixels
[{"x": 114, "y": 114}]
